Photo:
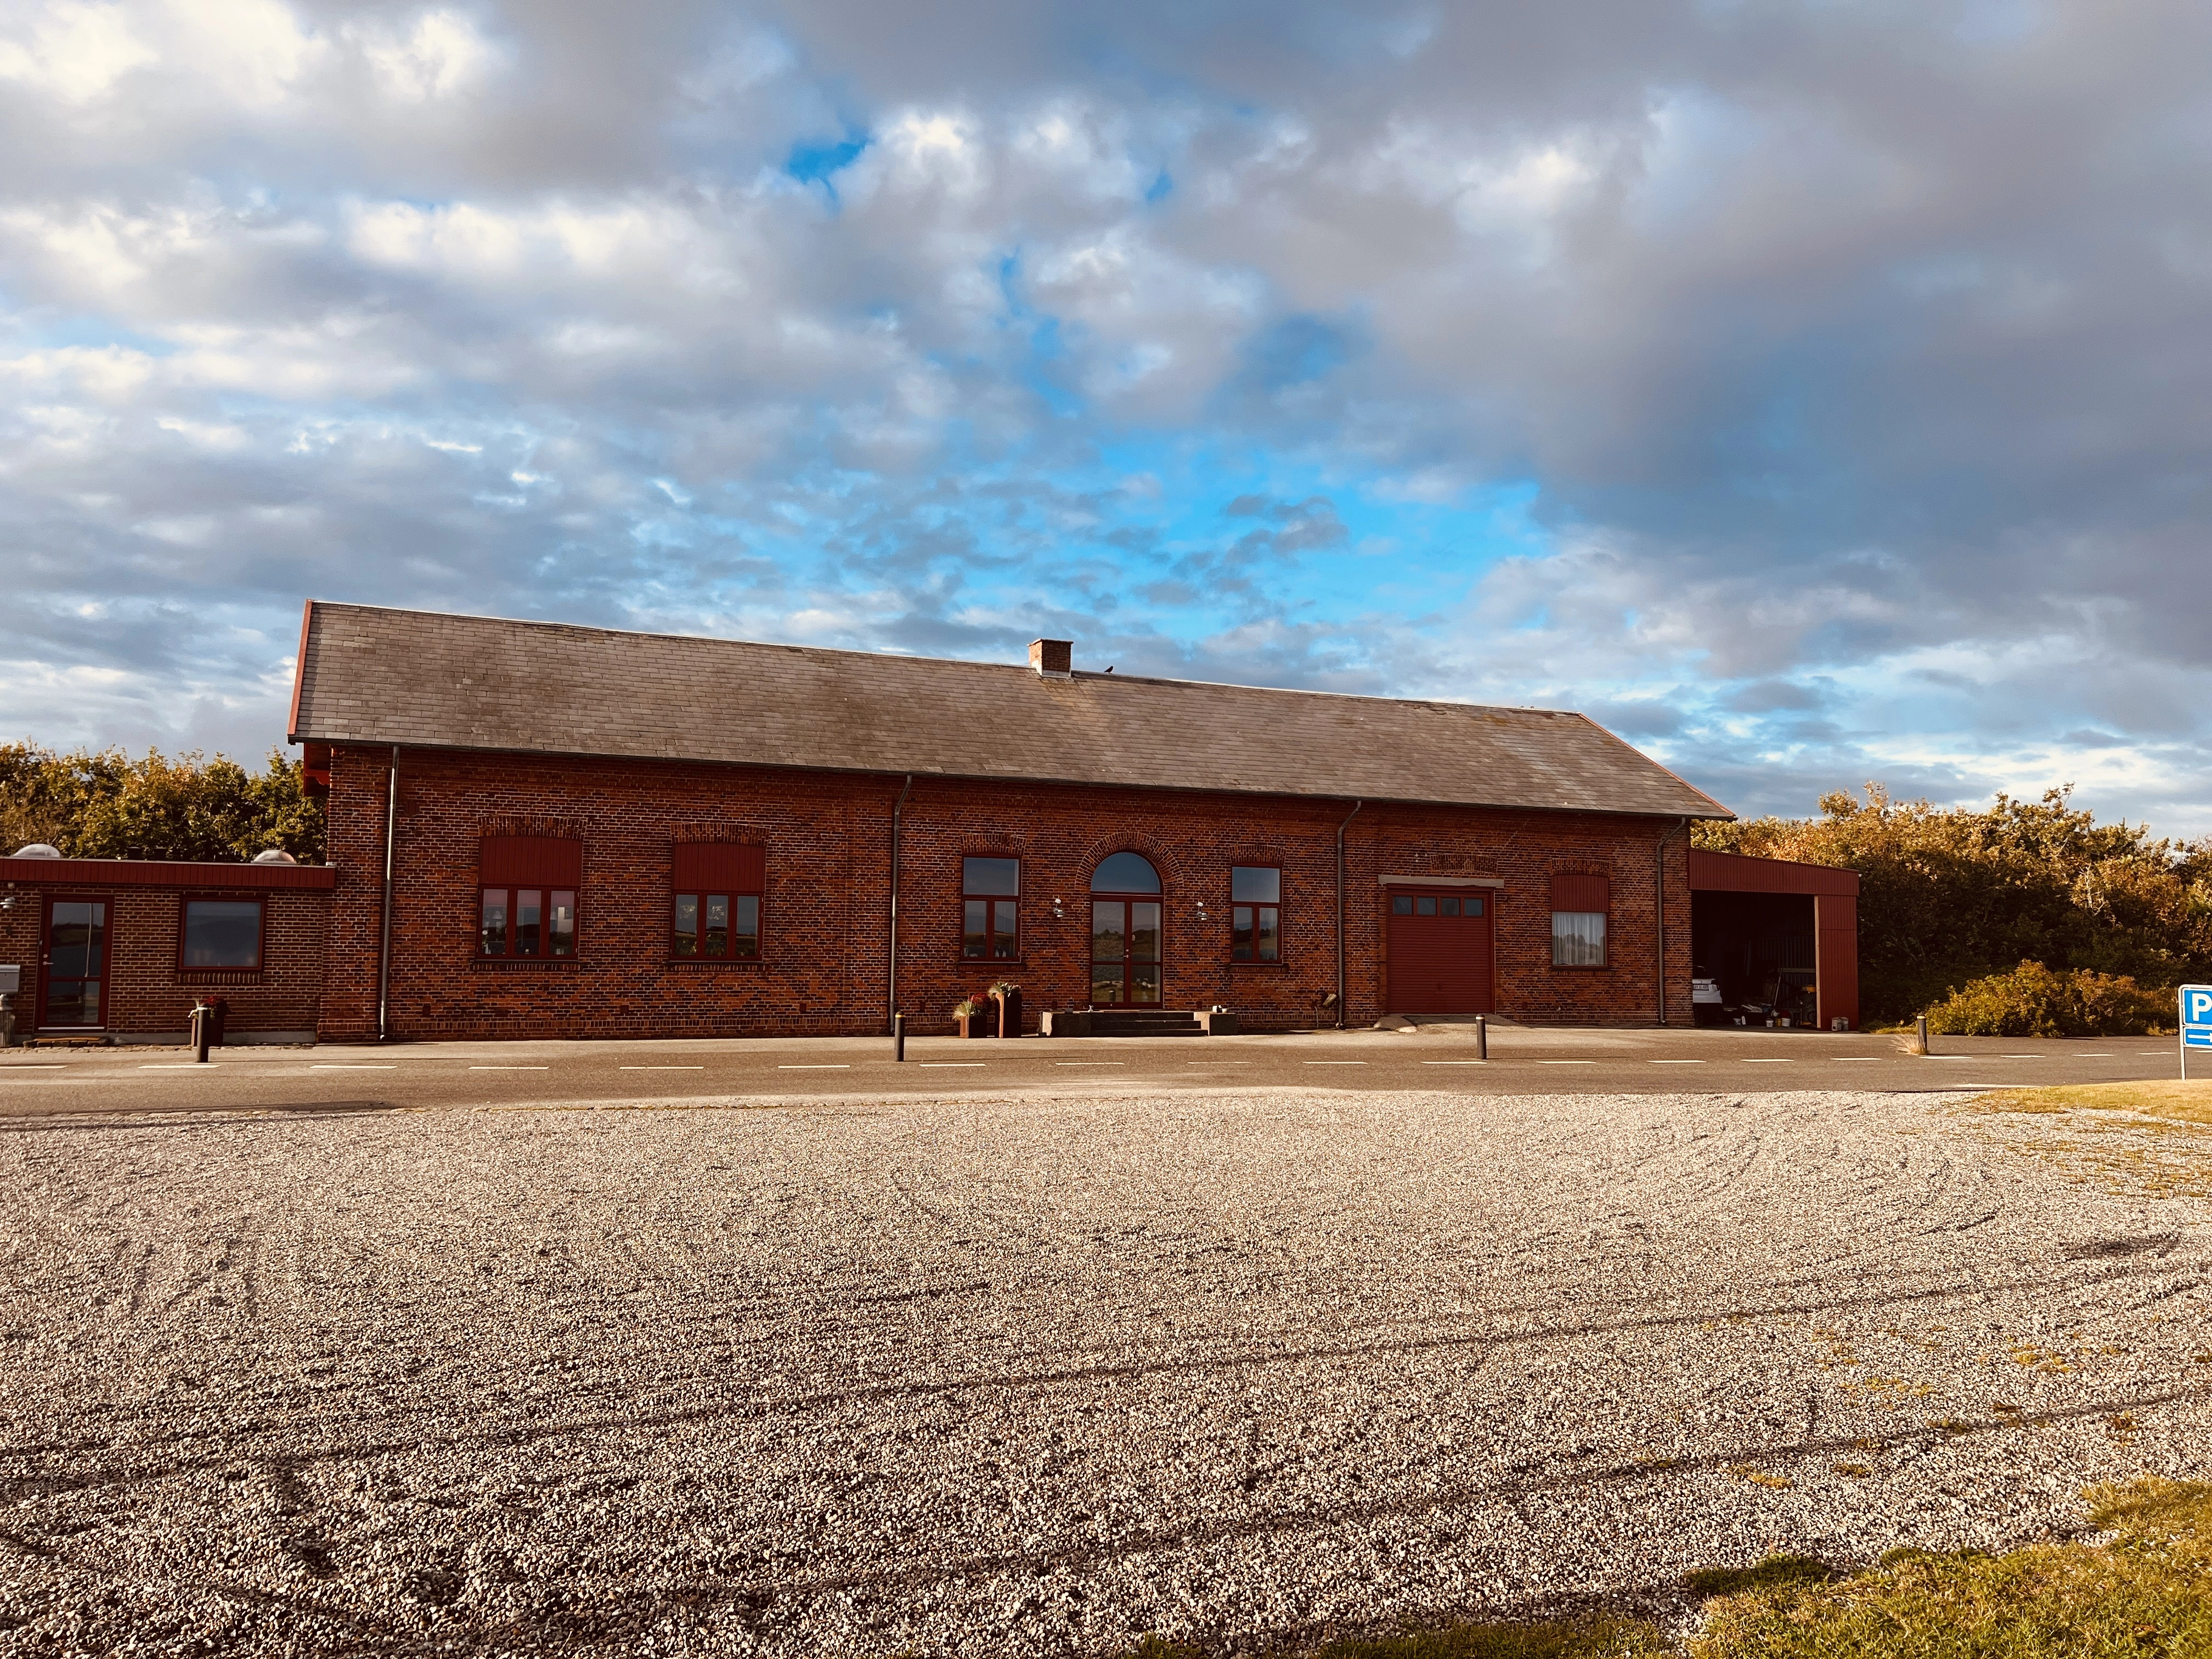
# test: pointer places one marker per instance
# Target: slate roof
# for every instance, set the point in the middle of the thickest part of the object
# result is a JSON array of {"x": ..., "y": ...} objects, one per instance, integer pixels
[{"x": 418, "y": 678}]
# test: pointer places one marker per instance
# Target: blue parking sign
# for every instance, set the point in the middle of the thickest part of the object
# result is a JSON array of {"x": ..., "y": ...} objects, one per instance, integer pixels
[{"x": 2195, "y": 1021}]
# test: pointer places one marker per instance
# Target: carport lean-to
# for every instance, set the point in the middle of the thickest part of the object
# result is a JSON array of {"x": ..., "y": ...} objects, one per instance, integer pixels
[{"x": 1767, "y": 933}]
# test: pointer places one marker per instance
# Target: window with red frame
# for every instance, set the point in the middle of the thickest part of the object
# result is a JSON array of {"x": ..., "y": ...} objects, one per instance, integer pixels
[
  {"x": 1255, "y": 913},
  {"x": 716, "y": 916},
  {"x": 990, "y": 909},
  {"x": 526, "y": 889},
  {"x": 220, "y": 932}
]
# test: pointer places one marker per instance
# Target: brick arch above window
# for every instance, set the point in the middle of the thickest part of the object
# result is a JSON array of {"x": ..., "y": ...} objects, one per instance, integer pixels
[
  {"x": 1161, "y": 857},
  {"x": 1259, "y": 852},
  {"x": 525, "y": 827}
]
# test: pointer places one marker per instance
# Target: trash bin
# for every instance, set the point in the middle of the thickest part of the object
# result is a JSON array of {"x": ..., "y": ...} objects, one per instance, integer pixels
[{"x": 218, "y": 1012}]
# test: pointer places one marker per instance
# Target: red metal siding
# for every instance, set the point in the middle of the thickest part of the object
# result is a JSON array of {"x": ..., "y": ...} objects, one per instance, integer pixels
[
  {"x": 543, "y": 860},
  {"x": 1581, "y": 892},
  {"x": 1732, "y": 872},
  {"x": 719, "y": 866},
  {"x": 1442, "y": 964},
  {"x": 1836, "y": 957},
  {"x": 158, "y": 872}
]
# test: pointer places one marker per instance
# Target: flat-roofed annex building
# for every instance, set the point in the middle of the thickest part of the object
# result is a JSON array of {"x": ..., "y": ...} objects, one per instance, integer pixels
[{"x": 594, "y": 832}]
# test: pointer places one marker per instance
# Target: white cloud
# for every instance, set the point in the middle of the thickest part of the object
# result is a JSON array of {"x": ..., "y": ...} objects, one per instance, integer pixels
[
  {"x": 1849, "y": 351},
  {"x": 253, "y": 54},
  {"x": 73, "y": 53},
  {"x": 441, "y": 55}
]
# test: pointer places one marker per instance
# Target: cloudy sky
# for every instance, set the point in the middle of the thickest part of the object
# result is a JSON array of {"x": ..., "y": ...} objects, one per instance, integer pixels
[{"x": 1813, "y": 392}]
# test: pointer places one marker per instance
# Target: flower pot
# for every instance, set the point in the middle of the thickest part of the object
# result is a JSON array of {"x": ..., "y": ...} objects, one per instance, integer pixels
[
  {"x": 1009, "y": 1014},
  {"x": 975, "y": 1025}
]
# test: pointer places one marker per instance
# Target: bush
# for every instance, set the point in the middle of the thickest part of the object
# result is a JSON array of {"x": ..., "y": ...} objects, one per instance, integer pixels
[
  {"x": 2032, "y": 1001},
  {"x": 1948, "y": 895},
  {"x": 108, "y": 806}
]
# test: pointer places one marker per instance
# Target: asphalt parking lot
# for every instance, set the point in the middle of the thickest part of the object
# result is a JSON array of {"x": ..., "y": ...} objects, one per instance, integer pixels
[{"x": 1521, "y": 1061}]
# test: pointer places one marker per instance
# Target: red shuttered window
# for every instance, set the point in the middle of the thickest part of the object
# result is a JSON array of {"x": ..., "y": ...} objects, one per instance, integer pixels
[
  {"x": 1581, "y": 906},
  {"x": 526, "y": 889},
  {"x": 716, "y": 916}
]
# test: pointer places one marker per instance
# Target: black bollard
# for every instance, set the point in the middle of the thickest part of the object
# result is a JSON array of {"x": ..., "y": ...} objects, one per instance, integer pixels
[
  {"x": 1920, "y": 1035},
  {"x": 898, "y": 1036},
  {"x": 203, "y": 1028},
  {"x": 1481, "y": 1037}
]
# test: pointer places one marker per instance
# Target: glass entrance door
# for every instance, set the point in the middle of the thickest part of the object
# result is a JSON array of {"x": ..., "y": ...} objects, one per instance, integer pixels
[
  {"x": 73, "y": 989},
  {"x": 1125, "y": 952}
]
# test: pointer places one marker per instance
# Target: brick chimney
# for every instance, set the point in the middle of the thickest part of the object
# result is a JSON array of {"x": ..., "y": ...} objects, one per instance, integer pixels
[{"x": 1053, "y": 657}]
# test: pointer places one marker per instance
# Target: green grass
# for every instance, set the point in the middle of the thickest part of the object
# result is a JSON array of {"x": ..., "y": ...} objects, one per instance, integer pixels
[
  {"x": 2150, "y": 1137},
  {"x": 2149, "y": 1592},
  {"x": 2144, "y": 1594},
  {"x": 2172, "y": 1099},
  {"x": 1598, "y": 1638}
]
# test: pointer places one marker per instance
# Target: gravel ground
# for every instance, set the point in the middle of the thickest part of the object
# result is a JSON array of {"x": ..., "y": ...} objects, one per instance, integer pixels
[{"x": 1036, "y": 1375}]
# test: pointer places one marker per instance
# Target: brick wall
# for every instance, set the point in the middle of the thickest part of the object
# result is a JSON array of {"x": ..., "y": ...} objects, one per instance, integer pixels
[
  {"x": 824, "y": 963},
  {"x": 148, "y": 994}
]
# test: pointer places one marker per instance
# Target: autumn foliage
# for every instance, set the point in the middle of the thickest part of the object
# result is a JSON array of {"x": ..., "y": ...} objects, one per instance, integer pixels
[
  {"x": 2036, "y": 895},
  {"x": 108, "y": 806}
]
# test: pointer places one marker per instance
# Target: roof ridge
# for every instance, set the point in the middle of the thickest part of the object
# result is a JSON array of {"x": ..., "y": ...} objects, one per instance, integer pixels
[{"x": 957, "y": 662}]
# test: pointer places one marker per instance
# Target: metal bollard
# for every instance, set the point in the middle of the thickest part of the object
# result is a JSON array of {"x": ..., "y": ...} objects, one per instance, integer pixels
[
  {"x": 1920, "y": 1034},
  {"x": 1481, "y": 1037},
  {"x": 7, "y": 1019},
  {"x": 898, "y": 1036},
  {"x": 203, "y": 1028}
]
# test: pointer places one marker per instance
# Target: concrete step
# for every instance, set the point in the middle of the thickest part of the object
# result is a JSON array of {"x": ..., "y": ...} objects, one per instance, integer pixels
[{"x": 1125, "y": 1022}]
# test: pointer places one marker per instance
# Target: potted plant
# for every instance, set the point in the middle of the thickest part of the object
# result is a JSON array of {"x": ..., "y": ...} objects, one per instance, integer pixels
[
  {"x": 1008, "y": 996},
  {"x": 968, "y": 1016}
]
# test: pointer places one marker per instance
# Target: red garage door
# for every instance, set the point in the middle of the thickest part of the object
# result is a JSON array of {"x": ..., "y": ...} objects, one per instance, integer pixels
[{"x": 1440, "y": 955}]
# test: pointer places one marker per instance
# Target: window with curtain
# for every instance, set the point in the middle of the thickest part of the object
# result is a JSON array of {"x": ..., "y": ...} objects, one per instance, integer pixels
[{"x": 1580, "y": 904}]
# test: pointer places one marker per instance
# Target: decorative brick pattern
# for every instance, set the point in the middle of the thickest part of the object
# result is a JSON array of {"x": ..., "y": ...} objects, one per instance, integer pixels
[{"x": 824, "y": 915}]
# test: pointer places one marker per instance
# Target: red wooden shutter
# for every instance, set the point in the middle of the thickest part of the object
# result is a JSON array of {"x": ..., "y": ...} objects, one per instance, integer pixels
[
  {"x": 720, "y": 866},
  {"x": 1583, "y": 893},
  {"x": 531, "y": 860}
]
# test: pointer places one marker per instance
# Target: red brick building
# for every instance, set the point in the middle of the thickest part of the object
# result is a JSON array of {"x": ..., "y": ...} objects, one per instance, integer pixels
[
  {"x": 594, "y": 833},
  {"x": 120, "y": 949}
]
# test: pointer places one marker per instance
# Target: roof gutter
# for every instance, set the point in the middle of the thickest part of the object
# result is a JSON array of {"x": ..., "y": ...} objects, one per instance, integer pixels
[
  {"x": 1341, "y": 829},
  {"x": 1659, "y": 866},
  {"x": 384, "y": 936},
  {"x": 1719, "y": 814},
  {"x": 891, "y": 975}
]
